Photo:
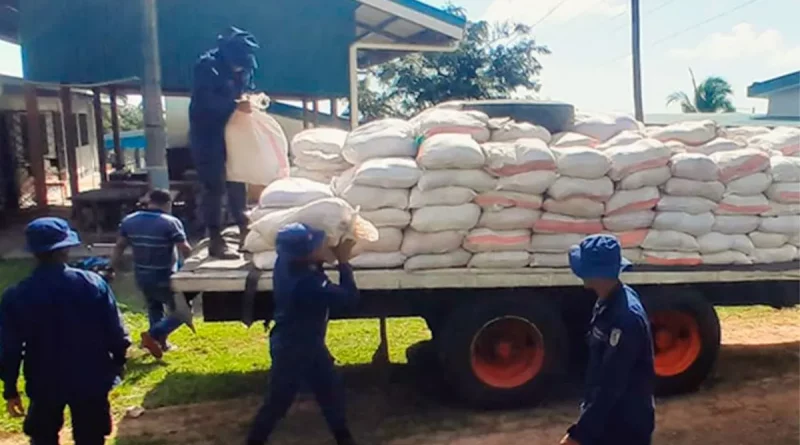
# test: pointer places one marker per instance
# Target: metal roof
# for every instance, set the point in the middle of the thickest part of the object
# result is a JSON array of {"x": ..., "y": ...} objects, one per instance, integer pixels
[
  {"x": 771, "y": 86},
  {"x": 723, "y": 119}
]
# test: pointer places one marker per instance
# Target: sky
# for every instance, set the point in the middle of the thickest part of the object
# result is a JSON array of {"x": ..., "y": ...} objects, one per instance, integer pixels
[{"x": 590, "y": 66}]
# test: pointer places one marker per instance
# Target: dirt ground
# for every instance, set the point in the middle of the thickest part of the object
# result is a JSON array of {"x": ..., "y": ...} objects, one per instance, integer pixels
[{"x": 753, "y": 398}]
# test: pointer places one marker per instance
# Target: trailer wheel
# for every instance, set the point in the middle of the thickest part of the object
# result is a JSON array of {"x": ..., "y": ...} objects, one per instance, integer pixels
[
  {"x": 500, "y": 354},
  {"x": 686, "y": 340}
]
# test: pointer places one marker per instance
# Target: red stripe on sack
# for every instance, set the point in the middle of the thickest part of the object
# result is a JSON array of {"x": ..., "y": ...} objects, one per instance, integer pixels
[
  {"x": 790, "y": 150},
  {"x": 631, "y": 238},
  {"x": 567, "y": 227},
  {"x": 656, "y": 261},
  {"x": 511, "y": 170},
  {"x": 635, "y": 207},
  {"x": 498, "y": 239},
  {"x": 646, "y": 165},
  {"x": 744, "y": 210},
  {"x": 752, "y": 165}
]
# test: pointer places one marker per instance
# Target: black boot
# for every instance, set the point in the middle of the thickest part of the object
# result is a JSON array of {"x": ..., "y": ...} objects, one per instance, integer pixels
[
  {"x": 344, "y": 437},
  {"x": 243, "y": 230},
  {"x": 218, "y": 248}
]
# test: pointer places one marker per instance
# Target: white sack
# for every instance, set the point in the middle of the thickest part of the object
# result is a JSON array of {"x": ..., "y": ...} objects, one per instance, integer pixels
[
  {"x": 717, "y": 145},
  {"x": 695, "y": 166},
  {"x": 317, "y": 148},
  {"x": 256, "y": 149},
  {"x": 324, "y": 177},
  {"x": 549, "y": 260},
  {"x": 688, "y": 204},
  {"x": 676, "y": 147},
  {"x": 689, "y": 132},
  {"x": 441, "y": 218},
  {"x": 626, "y": 137},
  {"x": 570, "y": 139},
  {"x": 627, "y": 201},
  {"x": 445, "y": 196},
  {"x": 258, "y": 213},
  {"x": 743, "y": 205},
  {"x": 444, "y": 151},
  {"x": 434, "y": 121},
  {"x": 695, "y": 225},
  {"x": 785, "y": 168},
  {"x": 389, "y": 240},
  {"x": 671, "y": 258},
  {"x": 715, "y": 242},
  {"x": 390, "y": 173},
  {"x": 264, "y": 260},
  {"x": 784, "y": 192},
  {"x": 378, "y": 260},
  {"x": 500, "y": 200},
  {"x": 255, "y": 243},
  {"x": 499, "y": 260},
  {"x": 580, "y": 207},
  {"x": 787, "y": 225},
  {"x": 735, "y": 224},
  {"x": 783, "y": 139},
  {"x": 652, "y": 177},
  {"x": 559, "y": 243},
  {"x": 640, "y": 155},
  {"x": 603, "y": 126},
  {"x": 754, "y": 184},
  {"x": 744, "y": 133},
  {"x": 740, "y": 163},
  {"x": 511, "y": 131},
  {"x": 419, "y": 243},
  {"x": 629, "y": 221},
  {"x": 581, "y": 162},
  {"x": 632, "y": 255},
  {"x": 457, "y": 258},
  {"x": 764, "y": 240},
  {"x": 520, "y": 156},
  {"x": 555, "y": 223},
  {"x": 780, "y": 209},
  {"x": 487, "y": 240},
  {"x": 509, "y": 219},
  {"x": 384, "y": 138},
  {"x": 670, "y": 240},
  {"x": 726, "y": 257},
  {"x": 565, "y": 187},
  {"x": 374, "y": 198},
  {"x": 477, "y": 180},
  {"x": 293, "y": 192},
  {"x": 713, "y": 190},
  {"x": 783, "y": 254},
  {"x": 534, "y": 183},
  {"x": 387, "y": 217}
]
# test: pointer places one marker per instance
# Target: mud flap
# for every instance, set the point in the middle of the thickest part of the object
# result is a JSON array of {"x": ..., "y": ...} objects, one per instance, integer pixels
[{"x": 250, "y": 290}]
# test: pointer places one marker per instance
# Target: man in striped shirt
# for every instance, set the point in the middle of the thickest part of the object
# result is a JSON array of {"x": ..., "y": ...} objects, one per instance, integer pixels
[{"x": 156, "y": 237}]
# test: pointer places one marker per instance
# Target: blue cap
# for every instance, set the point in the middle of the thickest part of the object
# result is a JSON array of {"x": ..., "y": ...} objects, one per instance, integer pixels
[
  {"x": 239, "y": 47},
  {"x": 48, "y": 234},
  {"x": 298, "y": 240},
  {"x": 598, "y": 256}
]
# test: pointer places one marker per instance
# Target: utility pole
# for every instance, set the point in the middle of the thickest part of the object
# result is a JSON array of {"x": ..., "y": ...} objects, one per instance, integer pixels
[
  {"x": 155, "y": 136},
  {"x": 637, "y": 62}
]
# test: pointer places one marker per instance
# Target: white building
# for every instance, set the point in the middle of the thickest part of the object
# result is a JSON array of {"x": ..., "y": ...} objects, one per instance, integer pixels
[{"x": 783, "y": 94}]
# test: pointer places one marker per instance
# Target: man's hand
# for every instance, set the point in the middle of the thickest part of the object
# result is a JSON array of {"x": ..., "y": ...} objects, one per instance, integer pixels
[
  {"x": 245, "y": 106},
  {"x": 15, "y": 408},
  {"x": 344, "y": 251},
  {"x": 568, "y": 441}
]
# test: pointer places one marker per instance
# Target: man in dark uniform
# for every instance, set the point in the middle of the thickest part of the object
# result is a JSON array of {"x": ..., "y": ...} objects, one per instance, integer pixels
[
  {"x": 64, "y": 325},
  {"x": 618, "y": 406},
  {"x": 303, "y": 297},
  {"x": 221, "y": 76}
]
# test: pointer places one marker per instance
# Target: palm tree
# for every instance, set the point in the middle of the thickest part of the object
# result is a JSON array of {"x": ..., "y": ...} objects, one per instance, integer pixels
[{"x": 711, "y": 96}]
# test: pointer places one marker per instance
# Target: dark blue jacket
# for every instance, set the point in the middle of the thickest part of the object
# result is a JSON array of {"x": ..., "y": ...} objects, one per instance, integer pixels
[
  {"x": 618, "y": 405},
  {"x": 303, "y": 297},
  {"x": 64, "y": 326},
  {"x": 214, "y": 92}
]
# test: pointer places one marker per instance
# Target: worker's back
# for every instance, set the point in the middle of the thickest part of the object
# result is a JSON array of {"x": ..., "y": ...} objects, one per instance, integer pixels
[{"x": 152, "y": 234}]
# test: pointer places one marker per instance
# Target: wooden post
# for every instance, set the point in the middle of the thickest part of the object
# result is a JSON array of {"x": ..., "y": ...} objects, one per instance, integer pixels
[
  {"x": 102, "y": 154},
  {"x": 305, "y": 113},
  {"x": 35, "y": 146},
  {"x": 315, "y": 107},
  {"x": 71, "y": 136},
  {"x": 335, "y": 111},
  {"x": 119, "y": 160}
]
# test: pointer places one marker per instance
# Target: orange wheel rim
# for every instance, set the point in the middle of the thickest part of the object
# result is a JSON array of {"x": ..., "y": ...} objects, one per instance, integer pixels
[
  {"x": 507, "y": 352},
  {"x": 676, "y": 342}
]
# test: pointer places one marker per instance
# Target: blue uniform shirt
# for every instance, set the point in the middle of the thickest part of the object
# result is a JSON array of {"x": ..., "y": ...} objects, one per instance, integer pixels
[
  {"x": 64, "y": 326},
  {"x": 153, "y": 234},
  {"x": 618, "y": 405},
  {"x": 303, "y": 296}
]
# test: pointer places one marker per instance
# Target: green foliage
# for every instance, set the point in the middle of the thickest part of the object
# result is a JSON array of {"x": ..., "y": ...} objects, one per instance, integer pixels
[
  {"x": 494, "y": 60},
  {"x": 131, "y": 117},
  {"x": 711, "y": 96}
]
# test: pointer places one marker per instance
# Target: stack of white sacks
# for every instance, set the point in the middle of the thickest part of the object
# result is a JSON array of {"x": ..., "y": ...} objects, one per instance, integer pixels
[
  {"x": 453, "y": 188},
  {"x": 316, "y": 154}
]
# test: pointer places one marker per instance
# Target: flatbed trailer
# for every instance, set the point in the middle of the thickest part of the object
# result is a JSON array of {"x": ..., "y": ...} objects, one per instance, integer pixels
[{"x": 502, "y": 335}]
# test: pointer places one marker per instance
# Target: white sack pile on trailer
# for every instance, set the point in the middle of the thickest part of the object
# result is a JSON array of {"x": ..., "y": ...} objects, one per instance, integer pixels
[{"x": 316, "y": 154}]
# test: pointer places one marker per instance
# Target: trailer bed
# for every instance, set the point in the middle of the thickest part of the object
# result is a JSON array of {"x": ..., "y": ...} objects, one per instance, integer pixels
[{"x": 210, "y": 275}]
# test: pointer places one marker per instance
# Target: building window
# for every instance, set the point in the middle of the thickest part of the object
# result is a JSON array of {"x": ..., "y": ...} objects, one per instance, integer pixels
[{"x": 83, "y": 129}]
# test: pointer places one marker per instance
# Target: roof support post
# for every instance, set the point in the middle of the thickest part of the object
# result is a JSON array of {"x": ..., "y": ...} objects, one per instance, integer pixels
[
  {"x": 35, "y": 146},
  {"x": 99, "y": 134},
  {"x": 71, "y": 136},
  {"x": 155, "y": 135},
  {"x": 119, "y": 160}
]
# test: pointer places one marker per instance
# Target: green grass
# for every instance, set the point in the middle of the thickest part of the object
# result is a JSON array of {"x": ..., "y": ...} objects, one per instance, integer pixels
[{"x": 224, "y": 360}]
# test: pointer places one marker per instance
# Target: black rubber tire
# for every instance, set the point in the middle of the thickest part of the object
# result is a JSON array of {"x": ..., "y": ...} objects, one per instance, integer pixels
[
  {"x": 693, "y": 303},
  {"x": 455, "y": 343},
  {"x": 554, "y": 116},
  {"x": 422, "y": 355}
]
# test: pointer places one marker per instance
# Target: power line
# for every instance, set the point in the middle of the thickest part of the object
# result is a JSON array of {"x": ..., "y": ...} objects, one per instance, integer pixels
[
  {"x": 645, "y": 13},
  {"x": 550, "y": 12},
  {"x": 685, "y": 30}
]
